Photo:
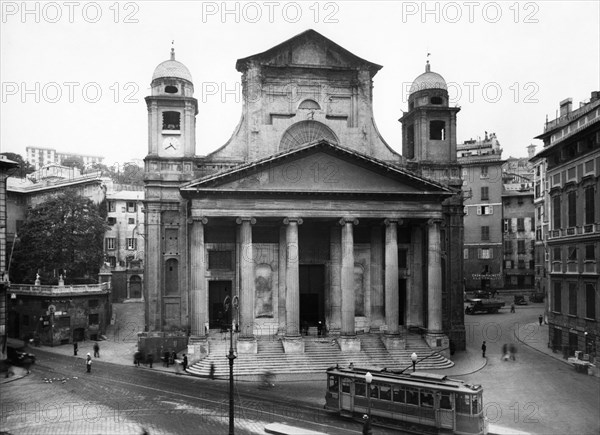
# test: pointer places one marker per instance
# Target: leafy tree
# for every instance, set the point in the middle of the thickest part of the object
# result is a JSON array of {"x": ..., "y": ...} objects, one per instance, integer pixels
[
  {"x": 63, "y": 234},
  {"x": 73, "y": 162},
  {"x": 24, "y": 167}
]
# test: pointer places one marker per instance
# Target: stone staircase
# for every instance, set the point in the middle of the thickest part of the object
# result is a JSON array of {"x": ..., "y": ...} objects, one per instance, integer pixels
[{"x": 319, "y": 354}]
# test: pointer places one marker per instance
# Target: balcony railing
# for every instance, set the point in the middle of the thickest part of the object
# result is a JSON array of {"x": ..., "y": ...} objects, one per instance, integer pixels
[{"x": 59, "y": 289}]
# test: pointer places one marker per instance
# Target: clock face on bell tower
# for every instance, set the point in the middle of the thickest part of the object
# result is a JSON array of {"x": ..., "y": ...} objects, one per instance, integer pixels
[{"x": 171, "y": 145}]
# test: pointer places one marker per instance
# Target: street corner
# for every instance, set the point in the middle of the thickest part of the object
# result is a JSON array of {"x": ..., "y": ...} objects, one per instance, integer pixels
[{"x": 13, "y": 373}]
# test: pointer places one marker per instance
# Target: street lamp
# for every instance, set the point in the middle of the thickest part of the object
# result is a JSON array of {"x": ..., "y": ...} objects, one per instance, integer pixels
[
  {"x": 227, "y": 304},
  {"x": 414, "y": 357},
  {"x": 369, "y": 379}
]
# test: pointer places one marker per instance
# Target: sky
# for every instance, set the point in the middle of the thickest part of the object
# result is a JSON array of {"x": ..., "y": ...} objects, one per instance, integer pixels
[{"x": 74, "y": 74}]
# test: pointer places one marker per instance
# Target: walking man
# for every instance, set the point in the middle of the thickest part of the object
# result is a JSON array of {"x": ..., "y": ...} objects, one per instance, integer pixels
[
  {"x": 96, "y": 350},
  {"x": 74, "y": 348},
  {"x": 541, "y": 319},
  {"x": 512, "y": 308},
  {"x": 88, "y": 363},
  {"x": 185, "y": 362},
  {"x": 483, "y": 348}
]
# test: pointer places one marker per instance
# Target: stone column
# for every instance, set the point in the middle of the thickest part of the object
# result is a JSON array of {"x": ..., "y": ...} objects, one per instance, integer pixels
[
  {"x": 198, "y": 294},
  {"x": 415, "y": 288},
  {"x": 377, "y": 313},
  {"x": 246, "y": 304},
  {"x": 335, "y": 252},
  {"x": 293, "y": 341},
  {"x": 392, "y": 317},
  {"x": 281, "y": 272},
  {"x": 434, "y": 278},
  {"x": 348, "y": 341},
  {"x": 153, "y": 265}
]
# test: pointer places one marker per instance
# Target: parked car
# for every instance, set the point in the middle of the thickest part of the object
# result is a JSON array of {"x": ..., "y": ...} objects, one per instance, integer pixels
[
  {"x": 484, "y": 306},
  {"x": 520, "y": 300},
  {"x": 537, "y": 297}
]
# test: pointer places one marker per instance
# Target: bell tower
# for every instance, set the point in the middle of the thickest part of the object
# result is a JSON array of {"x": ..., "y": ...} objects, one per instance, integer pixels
[{"x": 172, "y": 111}]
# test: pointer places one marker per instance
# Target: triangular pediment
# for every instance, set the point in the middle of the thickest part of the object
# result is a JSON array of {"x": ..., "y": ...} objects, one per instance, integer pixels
[
  {"x": 319, "y": 168},
  {"x": 308, "y": 49}
]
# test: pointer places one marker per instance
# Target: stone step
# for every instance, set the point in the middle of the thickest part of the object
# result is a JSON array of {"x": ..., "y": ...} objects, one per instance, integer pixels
[{"x": 320, "y": 353}]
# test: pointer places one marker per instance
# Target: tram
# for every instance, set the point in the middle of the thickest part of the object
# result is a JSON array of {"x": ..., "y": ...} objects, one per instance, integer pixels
[{"x": 417, "y": 401}]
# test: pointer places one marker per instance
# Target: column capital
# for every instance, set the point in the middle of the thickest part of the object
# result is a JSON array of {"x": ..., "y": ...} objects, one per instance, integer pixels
[
  {"x": 200, "y": 219},
  {"x": 398, "y": 222},
  {"x": 289, "y": 220},
  {"x": 435, "y": 221},
  {"x": 245, "y": 219},
  {"x": 344, "y": 221}
]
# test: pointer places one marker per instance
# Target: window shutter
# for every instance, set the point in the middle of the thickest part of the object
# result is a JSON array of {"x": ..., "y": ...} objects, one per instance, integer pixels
[
  {"x": 479, "y": 253},
  {"x": 491, "y": 251},
  {"x": 478, "y": 210},
  {"x": 491, "y": 209}
]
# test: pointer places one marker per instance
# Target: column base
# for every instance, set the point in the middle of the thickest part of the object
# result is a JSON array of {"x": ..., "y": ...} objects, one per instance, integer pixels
[
  {"x": 247, "y": 345},
  {"x": 293, "y": 344},
  {"x": 349, "y": 344},
  {"x": 197, "y": 349},
  {"x": 438, "y": 342},
  {"x": 393, "y": 342}
]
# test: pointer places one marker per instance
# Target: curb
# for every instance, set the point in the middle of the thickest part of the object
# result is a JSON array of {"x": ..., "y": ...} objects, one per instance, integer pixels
[{"x": 517, "y": 333}]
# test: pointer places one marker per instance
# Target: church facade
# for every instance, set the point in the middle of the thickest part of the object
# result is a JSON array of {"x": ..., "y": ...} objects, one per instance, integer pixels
[{"x": 306, "y": 217}]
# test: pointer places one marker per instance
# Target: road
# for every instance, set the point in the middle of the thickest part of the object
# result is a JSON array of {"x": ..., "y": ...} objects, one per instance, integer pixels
[
  {"x": 536, "y": 393},
  {"x": 118, "y": 399}
]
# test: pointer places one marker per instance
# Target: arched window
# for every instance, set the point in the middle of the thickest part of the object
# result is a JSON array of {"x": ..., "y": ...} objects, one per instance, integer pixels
[
  {"x": 437, "y": 100},
  {"x": 171, "y": 277},
  {"x": 304, "y": 132},
  {"x": 171, "y": 90}
]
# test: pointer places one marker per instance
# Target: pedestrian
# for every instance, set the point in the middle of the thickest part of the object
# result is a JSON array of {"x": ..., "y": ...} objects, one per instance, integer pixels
[
  {"x": 136, "y": 358},
  {"x": 74, "y": 348},
  {"x": 150, "y": 359},
  {"x": 366, "y": 425},
  {"x": 483, "y": 348},
  {"x": 166, "y": 357},
  {"x": 512, "y": 308},
  {"x": 541, "y": 319},
  {"x": 185, "y": 362},
  {"x": 505, "y": 352},
  {"x": 96, "y": 350},
  {"x": 88, "y": 363},
  {"x": 173, "y": 358},
  {"x": 513, "y": 351},
  {"x": 211, "y": 374}
]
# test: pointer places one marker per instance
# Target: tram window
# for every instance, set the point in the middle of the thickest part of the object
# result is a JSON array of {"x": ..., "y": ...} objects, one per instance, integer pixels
[
  {"x": 346, "y": 385},
  {"x": 476, "y": 404},
  {"x": 399, "y": 394},
  {"x": 385, "y": 392},
  {"x": 463, "y": 404},
  {"x": 360, "y": 389},
  {"x": 333, "y": 383},
  {"x": 445, "y": 402},
  {"x": 412, "y": 396},
  {"x": 427, "y": 398},
  {"x": 374, "y": 391}
]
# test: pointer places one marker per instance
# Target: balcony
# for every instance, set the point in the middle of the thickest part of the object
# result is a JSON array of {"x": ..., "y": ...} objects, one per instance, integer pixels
[{"x": 52, "y": 290}]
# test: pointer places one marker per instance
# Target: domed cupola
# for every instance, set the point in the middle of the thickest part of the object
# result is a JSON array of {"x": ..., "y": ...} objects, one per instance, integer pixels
[
  {"x": 171, "y": 77},
  {"x": 429, "y": 88}
]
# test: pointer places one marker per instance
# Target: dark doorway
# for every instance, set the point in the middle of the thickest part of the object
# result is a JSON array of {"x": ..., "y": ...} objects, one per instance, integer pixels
[
  {"x": 13, "y": 324},
  {"x": 217, "y": 292},
  {"x": 312, "y": 294},
  {"x": 78, "y": 334},
  {"x": 401, "y": 301},
  {"x": 135, "y": 287}
]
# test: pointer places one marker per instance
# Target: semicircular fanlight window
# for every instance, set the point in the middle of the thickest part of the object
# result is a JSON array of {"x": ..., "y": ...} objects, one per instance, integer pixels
[{"x": 304, "y": 132}]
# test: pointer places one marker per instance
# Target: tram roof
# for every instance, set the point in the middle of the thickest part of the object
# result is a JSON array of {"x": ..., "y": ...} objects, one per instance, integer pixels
[{"x": 413, "y": 378}]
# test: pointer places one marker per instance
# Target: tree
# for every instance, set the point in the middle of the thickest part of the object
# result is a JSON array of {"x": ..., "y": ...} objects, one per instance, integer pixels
[
  {"x": 64, "y": 234},
  {"x": 73, "y": 162},
  {"x": 24, "y": 167}
]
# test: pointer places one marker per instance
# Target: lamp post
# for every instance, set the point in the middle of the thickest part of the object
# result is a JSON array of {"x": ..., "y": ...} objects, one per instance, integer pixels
[
  {"x": 414, "y": 357},
  {"x": 228, "y": 303},
  {"x": 367, "y": 428}
]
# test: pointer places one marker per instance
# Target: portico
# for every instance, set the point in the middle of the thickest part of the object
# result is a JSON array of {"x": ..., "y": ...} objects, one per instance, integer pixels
[{"x": 351, "y": 232}]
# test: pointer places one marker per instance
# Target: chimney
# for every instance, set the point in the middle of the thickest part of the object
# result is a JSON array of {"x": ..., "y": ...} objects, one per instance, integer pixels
[
  {"x": 531, "y": 150},
  {"x": 595, "y": 96},
  {"x": 565, "y": 106}
]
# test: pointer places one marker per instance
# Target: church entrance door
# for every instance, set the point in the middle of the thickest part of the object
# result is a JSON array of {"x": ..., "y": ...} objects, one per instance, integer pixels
[
  {"x": 312, "y": 295},
  {"x": 217, "y": 292}
]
